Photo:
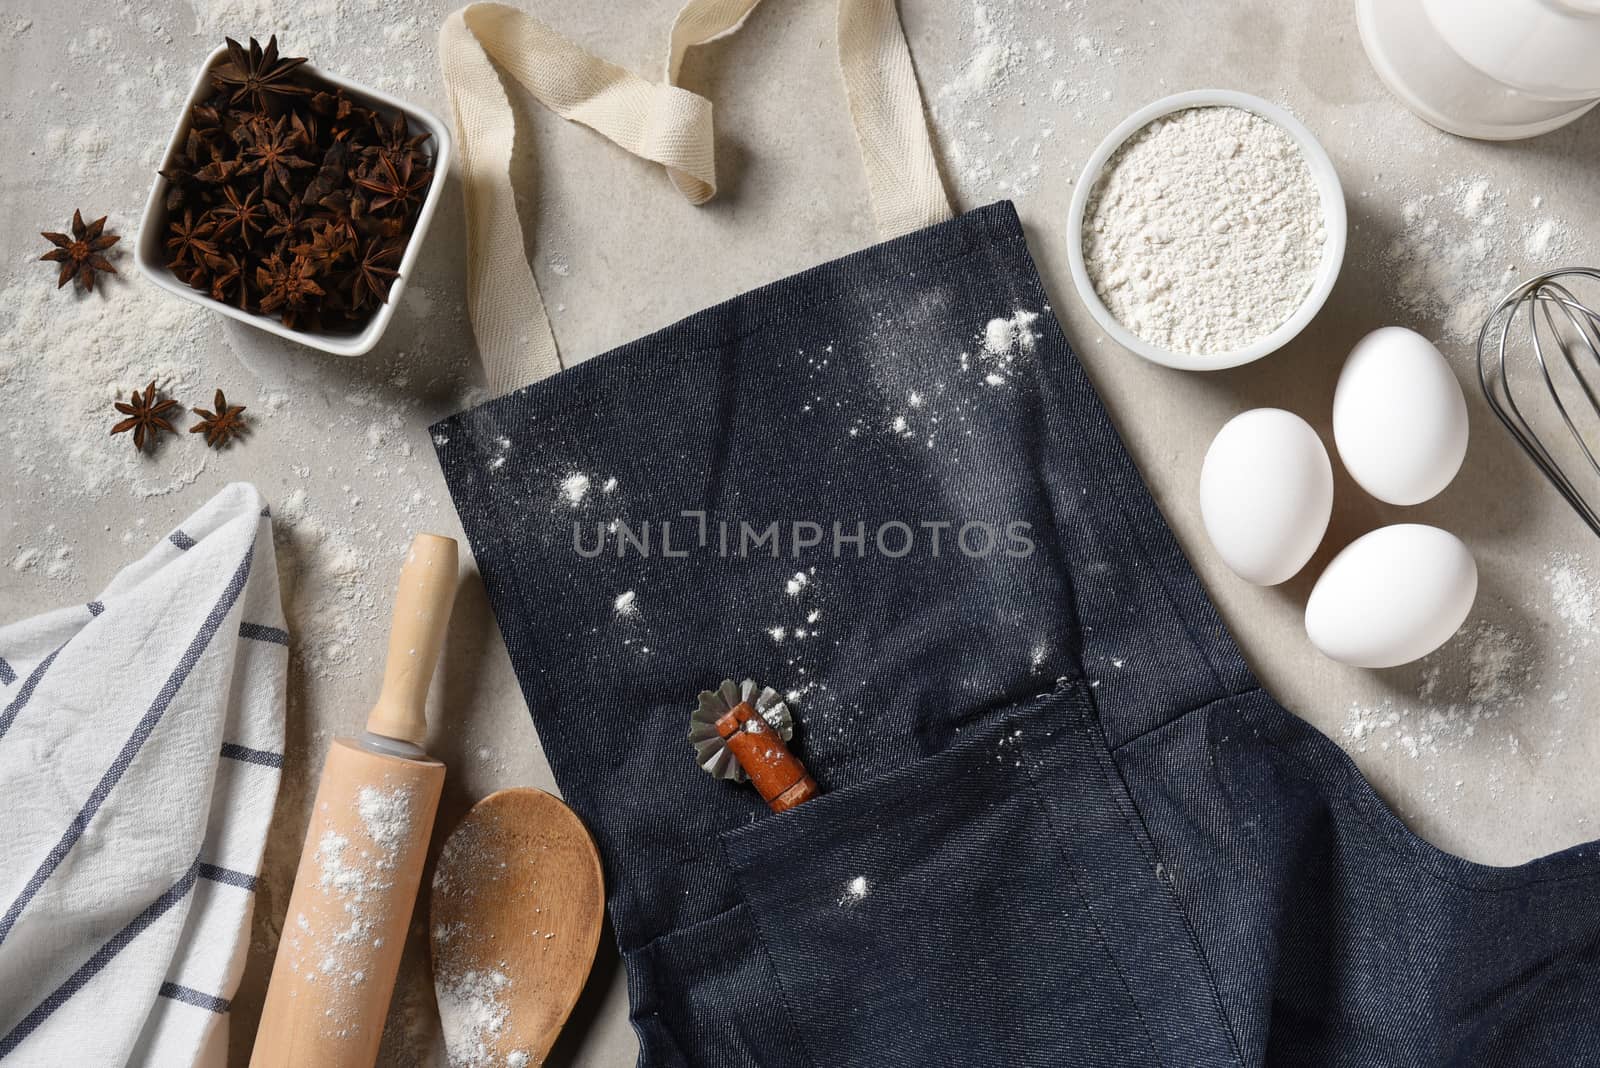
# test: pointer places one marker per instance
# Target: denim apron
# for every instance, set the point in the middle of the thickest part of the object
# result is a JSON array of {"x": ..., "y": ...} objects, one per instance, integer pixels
[{"x": 1061, "y": 823}]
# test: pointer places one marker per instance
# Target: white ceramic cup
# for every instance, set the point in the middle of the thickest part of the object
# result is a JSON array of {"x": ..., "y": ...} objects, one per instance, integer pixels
[
  {"x": 1333, "y": 218},
  {"x": 1491, "y": 69}
]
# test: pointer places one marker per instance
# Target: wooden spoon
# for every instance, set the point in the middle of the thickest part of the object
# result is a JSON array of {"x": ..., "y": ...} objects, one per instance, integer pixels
[{"x": 517, "y": 904}]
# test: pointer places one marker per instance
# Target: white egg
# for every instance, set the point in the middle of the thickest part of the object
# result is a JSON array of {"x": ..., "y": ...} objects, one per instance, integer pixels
[
  {"x": 1399, "y": 419},
  {"x": 1266, "y": 492},
  {"x": 1392, "y": 596}
]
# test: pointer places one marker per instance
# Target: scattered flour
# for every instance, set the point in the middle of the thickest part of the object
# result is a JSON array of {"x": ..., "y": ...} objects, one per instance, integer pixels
[
  {"x": 502, "y": 450},
  {"x": 1575, "y": 593},
  {"x": 474, "y": 997},
  {"x": 1458, "y": 248},
  {"x": 1539, "y": 239},
  {"x": 474, "y": 1012},
  {"x": 1004, "y": 339},
  {"x": 1205, "y": 231},
  {"x": 1497, "y": 666},
  {"x": 855, "y": 891},
  {"x": 985, "y": 71},
  {"x": 50, "y": 557},
  {"x": 1007, "y": 95},
  {"x": 626, "y": 606},
  {"x": 72, "y": 354},
  {"x": 1489, "y": 668},
  {"x": 575, "y": 487},
  {"x": 371, "y": 42},
  {"x": 96, "y": 137}
]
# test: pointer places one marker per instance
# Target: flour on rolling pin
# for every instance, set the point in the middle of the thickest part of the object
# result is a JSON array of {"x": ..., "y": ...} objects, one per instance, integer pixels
[
  {"x": 345, "y": 930},
  {"x": 364, "y": 851},
  {"x": 357, "y": 876}
]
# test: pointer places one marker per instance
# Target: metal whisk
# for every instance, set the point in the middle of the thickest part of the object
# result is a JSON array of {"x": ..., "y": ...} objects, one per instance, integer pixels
[{"x": 1545, "y": 319}]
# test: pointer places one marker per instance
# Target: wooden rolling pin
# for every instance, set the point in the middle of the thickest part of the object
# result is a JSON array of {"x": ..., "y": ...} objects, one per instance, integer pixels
[{"x": 364, "y": 850}]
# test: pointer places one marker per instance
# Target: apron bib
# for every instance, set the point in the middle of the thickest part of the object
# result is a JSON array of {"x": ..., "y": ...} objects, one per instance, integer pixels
[{"x": 1061, "y": 824}]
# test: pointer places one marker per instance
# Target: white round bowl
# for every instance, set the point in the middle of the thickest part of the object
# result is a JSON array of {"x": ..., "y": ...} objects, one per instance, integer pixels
[{"x": 1333, "y": 216}]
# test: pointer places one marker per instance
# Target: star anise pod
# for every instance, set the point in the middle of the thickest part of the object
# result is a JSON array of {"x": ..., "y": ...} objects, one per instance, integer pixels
[
  {"x": 393, "y": 184},
  {"x": 80, "y": 255},
  {"x": 145, "y": 417},
  {"x": 222, "y": 425},
  {"x": 395, "y": 139},
  {"x": 329, "y": 243},
  {"x": 228, "y": 277},
  {"x": 190, "y": 241},
  {"x": 180, "y": 173},
  {"x": 374, "y": 273},
  {"x": 269, "y": 148},
  {"x": 288, "y": 221},
  {"x": 287, "y": 287},
  {"x": 331, "y": 175},
  {"x": 334, "y": 105},
  {"x": 242, "y": 216},
  {"x": 257, "y": 75},
  {"x": 204, "y": 120},
  {"x": 211, "y": 164},
  {"x": 195, "y": 275},
  {"x": 346, "y": 118},
  {"x": 345, "y": 213}
]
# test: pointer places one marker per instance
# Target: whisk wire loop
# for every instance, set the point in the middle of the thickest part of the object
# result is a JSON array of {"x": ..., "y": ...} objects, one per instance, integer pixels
[{"x": 1575, "y": 346}]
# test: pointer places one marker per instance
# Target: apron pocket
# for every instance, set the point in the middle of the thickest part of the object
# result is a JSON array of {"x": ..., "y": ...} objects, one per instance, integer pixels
[
  {"x": 705, "y": 995},
  {"x": 927, "y": 916}
]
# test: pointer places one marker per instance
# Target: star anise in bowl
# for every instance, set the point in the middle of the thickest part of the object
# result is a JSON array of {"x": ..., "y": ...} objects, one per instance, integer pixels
[{"x": 294, "y": 196}]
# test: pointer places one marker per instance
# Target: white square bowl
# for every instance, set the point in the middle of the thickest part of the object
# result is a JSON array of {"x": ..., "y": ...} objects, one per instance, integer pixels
[{"x": 153, "y": 228}]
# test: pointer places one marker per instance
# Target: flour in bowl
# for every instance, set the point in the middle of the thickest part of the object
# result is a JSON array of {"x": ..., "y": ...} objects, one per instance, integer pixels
[{"x": 1205, "y": 231}]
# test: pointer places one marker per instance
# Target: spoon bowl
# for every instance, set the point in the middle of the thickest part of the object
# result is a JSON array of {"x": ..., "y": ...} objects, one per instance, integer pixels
[{"x": 518, "y": 900}]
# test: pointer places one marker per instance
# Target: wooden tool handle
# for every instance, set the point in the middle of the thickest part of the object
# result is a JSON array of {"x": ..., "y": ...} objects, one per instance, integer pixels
[
  {"x": 421, "y": 612},
  {"x": 779, "y": 777}
]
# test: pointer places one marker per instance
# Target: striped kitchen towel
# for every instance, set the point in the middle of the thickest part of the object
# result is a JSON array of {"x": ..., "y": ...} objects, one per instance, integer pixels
[{"x": 141, "y": 741}]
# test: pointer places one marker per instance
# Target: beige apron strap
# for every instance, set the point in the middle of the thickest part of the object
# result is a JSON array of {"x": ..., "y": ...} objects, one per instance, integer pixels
[
  {"x": 886, "y": 108},
  {"x": 655, "y": 121}
]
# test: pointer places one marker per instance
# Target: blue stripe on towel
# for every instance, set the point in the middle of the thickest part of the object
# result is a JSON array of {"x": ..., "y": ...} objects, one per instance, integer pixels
[
  {"x": 261, "y": 633},
  {"x": 196, "y": 998},
  {"x": 102, "y": 956},
  {"x": 9, "y": 716},
  {"x": 130, "y": 748},
  {"x": 95, "y": 608},
  {"x": 219, "y": 874},
  {"x": 181, "y": 540},
  {"x": 252, "y": 756},
  {"x": 8, "y": 674}
]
